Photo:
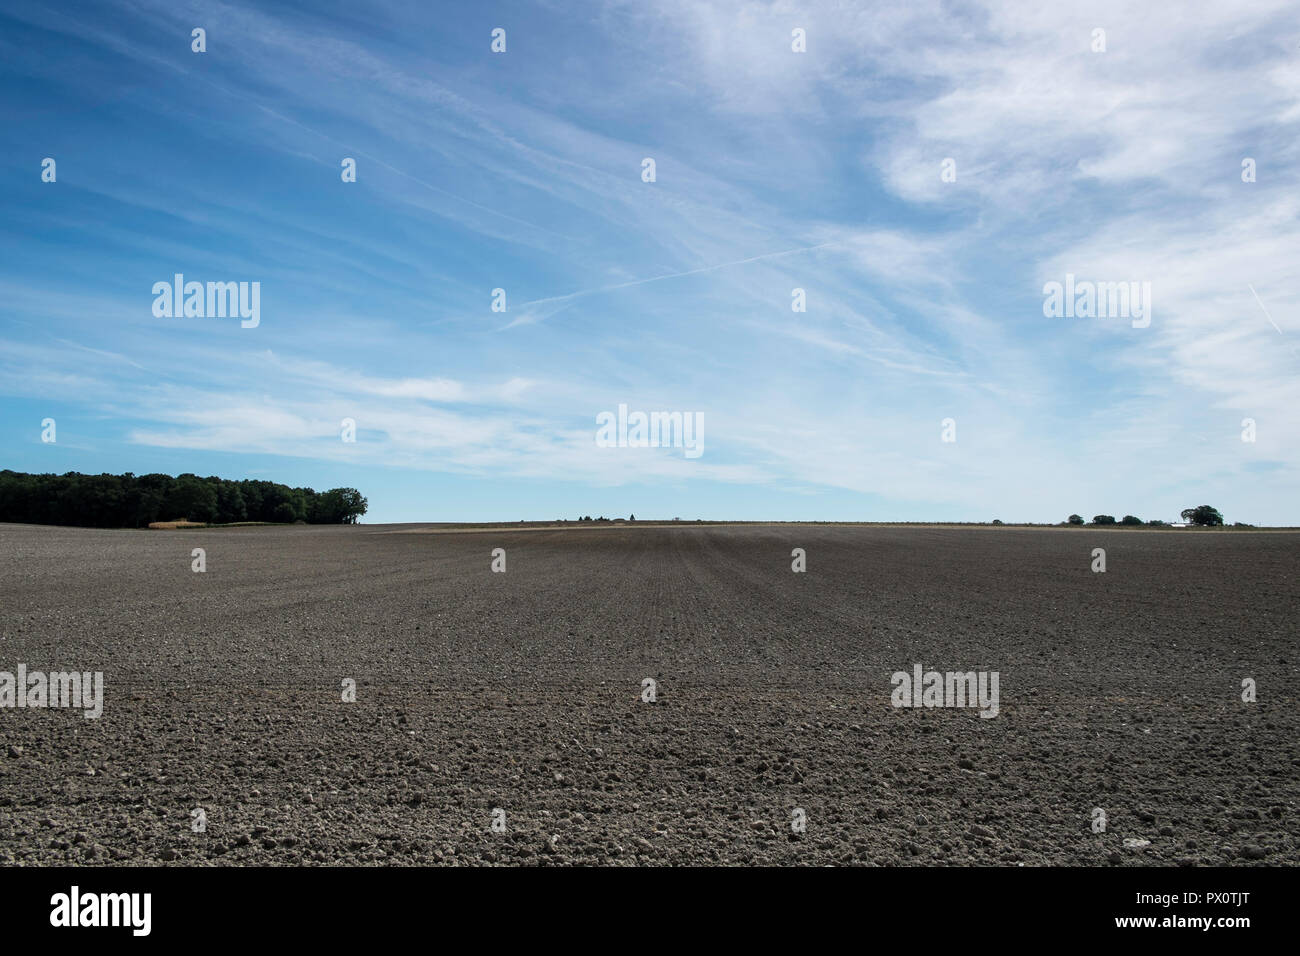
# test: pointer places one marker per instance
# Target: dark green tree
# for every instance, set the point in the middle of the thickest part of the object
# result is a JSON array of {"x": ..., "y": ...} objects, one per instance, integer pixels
[
  {"x": 1204, "y": 516},
  {"x": 230, "y": 503},
  {"x": 338, "y": 506},
  {"x": 190, "y": 498}
]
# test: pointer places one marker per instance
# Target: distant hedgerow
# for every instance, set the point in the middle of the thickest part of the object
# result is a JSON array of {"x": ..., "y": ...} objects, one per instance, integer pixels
[{"x": 130, "y": 501}]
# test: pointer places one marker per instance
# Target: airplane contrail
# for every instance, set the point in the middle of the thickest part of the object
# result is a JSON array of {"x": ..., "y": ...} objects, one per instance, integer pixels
[
  {"x": 523, "y": 320},
  {"x": 415, "y": 179},
  {"x": 1261, "y": 305}
]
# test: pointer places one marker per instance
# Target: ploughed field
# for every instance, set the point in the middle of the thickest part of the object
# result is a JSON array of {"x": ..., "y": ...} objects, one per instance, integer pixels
[{"x": 522, "y": 691}]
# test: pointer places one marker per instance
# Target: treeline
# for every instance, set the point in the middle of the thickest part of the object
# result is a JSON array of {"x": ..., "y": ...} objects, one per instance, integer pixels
[
  {"x": 130, "y": 501},
  {"x": 1203, "y": 516}
]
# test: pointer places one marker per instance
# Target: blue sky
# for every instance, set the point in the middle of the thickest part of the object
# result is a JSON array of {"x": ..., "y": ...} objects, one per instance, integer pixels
[{"x": 775, "y": 170}]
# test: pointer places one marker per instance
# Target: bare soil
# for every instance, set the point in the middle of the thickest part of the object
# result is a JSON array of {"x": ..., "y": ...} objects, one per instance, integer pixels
[{"x": 522, "y": 691}]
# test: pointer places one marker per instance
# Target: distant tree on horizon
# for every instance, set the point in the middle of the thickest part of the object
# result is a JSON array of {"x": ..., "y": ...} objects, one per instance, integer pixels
[
  {"x": 1076, "y": 519},
  {"x": 1103, "y": 519},
  {"x": 1203, "y": 516}
]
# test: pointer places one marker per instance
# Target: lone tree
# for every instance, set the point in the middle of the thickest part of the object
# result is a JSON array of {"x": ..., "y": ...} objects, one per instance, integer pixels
[
  {"x": 1130, "y": 519},
  {"x": 1076, "y": 519},
  {"x": 1204, "y": 515},
  {"x": 1103, "y": 519},
  {"x": 339, "y": 506}
]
